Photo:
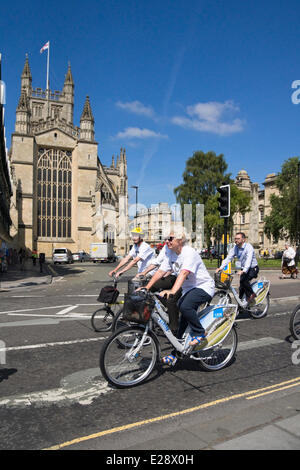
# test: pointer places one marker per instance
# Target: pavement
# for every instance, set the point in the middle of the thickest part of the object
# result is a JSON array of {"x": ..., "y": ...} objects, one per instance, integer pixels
[
  {"x": 271, "y": 425},
  {"x": 28, "y": 277},
  {"x": 240, "y": 425}
]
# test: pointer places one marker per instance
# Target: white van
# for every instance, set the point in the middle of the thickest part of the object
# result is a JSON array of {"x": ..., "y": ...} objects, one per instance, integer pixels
[{"x": 62, "y": 255}]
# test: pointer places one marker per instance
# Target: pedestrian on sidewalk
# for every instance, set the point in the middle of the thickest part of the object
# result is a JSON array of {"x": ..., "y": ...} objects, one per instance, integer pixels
[
  {"x": 41, "y": 261},
  {"x": 288, "y": 265},
  {"x": 34, "y": 257},
  {"x": 22, "y": 256}
]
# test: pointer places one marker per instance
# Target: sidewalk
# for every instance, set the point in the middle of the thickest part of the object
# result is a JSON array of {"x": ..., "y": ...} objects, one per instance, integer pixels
[
  {"x": 30, "y": 276},
  {"x": 265, "y": 425}
]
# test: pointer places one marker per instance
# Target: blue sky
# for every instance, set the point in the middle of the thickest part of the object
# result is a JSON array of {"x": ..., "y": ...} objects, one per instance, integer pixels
[{"x": 166, "y": 78}]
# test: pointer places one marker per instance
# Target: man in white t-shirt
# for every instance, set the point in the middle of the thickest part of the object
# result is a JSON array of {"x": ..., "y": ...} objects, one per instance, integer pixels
[
  {"x": 194, "y": 280},
  {"x": 141, "y": 254}
]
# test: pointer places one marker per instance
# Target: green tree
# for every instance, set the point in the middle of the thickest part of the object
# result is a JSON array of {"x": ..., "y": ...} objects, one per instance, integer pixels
[
  {"x": 282, "y": 221},
  {"x": 203, "y": 175}
]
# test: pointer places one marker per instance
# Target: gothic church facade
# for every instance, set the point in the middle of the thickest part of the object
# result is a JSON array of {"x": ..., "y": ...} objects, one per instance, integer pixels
[{"x": 64, "y": 196}]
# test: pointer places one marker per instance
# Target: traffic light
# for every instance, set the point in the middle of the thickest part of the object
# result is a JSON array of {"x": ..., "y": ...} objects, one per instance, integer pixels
[{"x": 224, "y": 200}]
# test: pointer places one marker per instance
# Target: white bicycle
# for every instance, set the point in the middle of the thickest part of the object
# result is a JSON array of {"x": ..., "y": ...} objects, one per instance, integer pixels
[
  {"x": 260, "y": 305},
  {"x": 129, "y": 356}
]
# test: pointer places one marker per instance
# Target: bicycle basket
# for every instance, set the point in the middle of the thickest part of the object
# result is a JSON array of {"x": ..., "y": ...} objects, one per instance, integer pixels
[
  {"x": 108, "y": 295},
  {"x": 222, "y": 280},
  {"x": 138, "y": 307}
]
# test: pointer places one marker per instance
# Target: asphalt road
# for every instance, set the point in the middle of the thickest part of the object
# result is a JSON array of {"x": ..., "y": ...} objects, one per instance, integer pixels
[{"x": 52, "y": 391}]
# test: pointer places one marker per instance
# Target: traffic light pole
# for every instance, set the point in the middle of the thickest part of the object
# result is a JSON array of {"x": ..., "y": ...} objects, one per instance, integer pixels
[
  {"x": 225, "y": 236},
  {"x": 224, "y": 209}
]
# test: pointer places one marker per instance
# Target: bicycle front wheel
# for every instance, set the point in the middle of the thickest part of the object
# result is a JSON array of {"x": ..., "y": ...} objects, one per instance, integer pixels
[
  {"x": 128, "y": 357},
  {"x": 219, "y": 356},
  {"x": 102, "y": 319},
  {"x": 295, "y": 323}
]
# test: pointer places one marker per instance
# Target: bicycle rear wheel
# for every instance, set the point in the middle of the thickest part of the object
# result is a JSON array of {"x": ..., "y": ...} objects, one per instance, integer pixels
[
  {"x": 102, "y": 319},
  {"x": 219, "y": 356},
  {"x": 119, "y": 321},
  {"x": 124, "y": 361},
  {"x": 260, "y": 310},
  {"x": 295, "y": 323}
]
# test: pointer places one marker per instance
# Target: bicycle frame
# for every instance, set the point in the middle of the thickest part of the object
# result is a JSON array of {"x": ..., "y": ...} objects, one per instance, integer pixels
[
  {"x": 260, "y": 298},
  {"x": 214, "y": 336}
]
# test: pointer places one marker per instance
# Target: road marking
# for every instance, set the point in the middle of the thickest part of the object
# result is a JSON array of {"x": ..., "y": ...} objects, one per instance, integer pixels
[
  {"x": 26, "y": 296},
  {"x": 242, "y": 346},
  {"x": 257, "y": 343},
  {"x": 46, "y": 345},
  {"x": 80, "y": 387},
  {"x": 33, "y": 309},
  {"x": 66, "y": 310},
  {"x": 272, "y": 391},
  {"x": 164, "y": 417},
  {"x": 45, "y": 315},
  {"x": 87, "y": 295}
]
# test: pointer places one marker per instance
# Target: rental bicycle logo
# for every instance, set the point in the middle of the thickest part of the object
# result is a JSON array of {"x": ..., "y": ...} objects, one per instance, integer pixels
[
  {"x": 296, "y": 354},
  {"x": 2, "y": 352}
]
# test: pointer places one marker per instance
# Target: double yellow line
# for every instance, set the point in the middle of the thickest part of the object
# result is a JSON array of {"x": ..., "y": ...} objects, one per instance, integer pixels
[{"x": 250, "y": 395}]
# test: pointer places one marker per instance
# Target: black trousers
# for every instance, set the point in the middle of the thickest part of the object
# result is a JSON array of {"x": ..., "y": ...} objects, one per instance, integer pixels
[
  {"x": 166, "y": 283},
  {"x": 245, "y": 287}
]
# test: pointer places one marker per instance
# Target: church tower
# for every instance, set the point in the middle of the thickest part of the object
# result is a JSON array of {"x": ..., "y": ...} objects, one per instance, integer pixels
[
  {"x": 68, "y": 96},
  {"x": 26, "y": 78},
  {"x": 58, "y": 174},
  {"x": 87, "y": 122}
]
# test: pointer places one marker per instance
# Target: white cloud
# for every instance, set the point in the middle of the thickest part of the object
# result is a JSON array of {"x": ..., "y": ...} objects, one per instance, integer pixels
[
  {"x": 211, "y": 117},
  {"x": 136, "y": 107},
  {"x": 137, "y": 133}
]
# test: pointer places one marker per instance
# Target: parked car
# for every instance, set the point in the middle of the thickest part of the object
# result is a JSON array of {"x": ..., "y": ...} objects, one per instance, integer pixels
[
  {"x": 62, "y": 255},
  {"x": 77, "y": 257},
  {"x": 81, "y": 256},
  {"x": 85, "y": 256}
]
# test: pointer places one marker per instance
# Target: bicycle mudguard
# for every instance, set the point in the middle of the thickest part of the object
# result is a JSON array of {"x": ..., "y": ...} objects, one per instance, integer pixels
[
  {"x": 217, "y": 320},
  {"x": 261, "y": 289}
]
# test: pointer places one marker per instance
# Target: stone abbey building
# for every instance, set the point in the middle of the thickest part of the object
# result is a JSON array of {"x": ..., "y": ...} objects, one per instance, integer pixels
[
  {"x": 252, "y": 222},
  {"x": 64, "y": 196}
]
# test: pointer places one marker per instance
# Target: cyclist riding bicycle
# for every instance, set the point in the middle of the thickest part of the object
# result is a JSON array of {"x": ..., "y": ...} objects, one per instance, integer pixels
[
  {"x": 196, "y": 284},
  {"x": 246, "y": 264},
  {"x": 141, "y": 254},
  {"x": 158, "y": 283}
]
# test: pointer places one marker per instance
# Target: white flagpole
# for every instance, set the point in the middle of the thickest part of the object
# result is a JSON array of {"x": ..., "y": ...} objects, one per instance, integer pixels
[
  {"x": 48, "y": 52},
  {"x": 47, "y": 84}
]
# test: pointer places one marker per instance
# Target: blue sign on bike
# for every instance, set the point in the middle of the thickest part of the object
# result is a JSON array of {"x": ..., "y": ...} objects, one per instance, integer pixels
[{"x": 218, "y": 313}]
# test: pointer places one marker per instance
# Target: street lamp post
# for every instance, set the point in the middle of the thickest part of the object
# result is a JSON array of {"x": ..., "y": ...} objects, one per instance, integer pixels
[{"x": 136, "y": 202}]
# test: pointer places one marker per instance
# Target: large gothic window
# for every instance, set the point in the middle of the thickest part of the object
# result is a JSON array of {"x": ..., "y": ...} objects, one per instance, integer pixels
[{"x": 54, "y": 193}]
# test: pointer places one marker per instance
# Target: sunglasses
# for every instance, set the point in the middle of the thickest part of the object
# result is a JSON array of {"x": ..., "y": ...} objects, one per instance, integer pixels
[{"x": 170, "y": 239}]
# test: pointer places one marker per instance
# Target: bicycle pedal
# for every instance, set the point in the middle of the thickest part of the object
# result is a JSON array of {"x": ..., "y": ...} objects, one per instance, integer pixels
[{"x": 187, "y": 351}]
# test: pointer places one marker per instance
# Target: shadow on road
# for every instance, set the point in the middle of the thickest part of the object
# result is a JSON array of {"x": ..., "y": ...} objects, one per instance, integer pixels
[{"x": 5, "y": 373}]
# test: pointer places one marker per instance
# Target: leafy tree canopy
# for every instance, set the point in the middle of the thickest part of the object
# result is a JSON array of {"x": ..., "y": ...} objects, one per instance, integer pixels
[
  {"x": 282, "y": 220},
  {"x": 203, "y": 175}
]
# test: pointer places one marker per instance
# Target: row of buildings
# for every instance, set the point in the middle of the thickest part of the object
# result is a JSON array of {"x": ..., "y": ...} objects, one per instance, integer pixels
[{"x": 55, "y": 192}]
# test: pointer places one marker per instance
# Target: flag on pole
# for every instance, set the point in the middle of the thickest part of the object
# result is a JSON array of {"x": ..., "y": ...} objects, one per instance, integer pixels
[{"x": 46, "y": 46}]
